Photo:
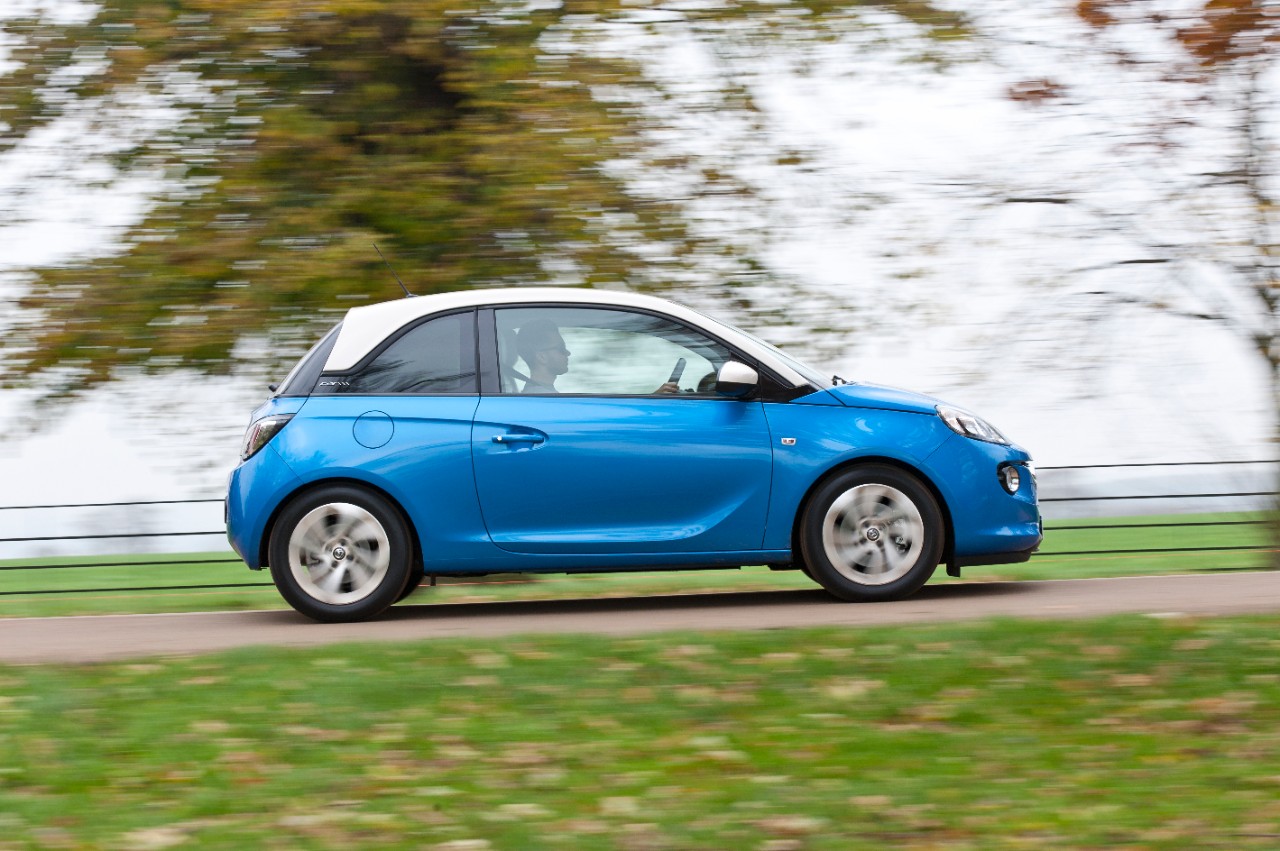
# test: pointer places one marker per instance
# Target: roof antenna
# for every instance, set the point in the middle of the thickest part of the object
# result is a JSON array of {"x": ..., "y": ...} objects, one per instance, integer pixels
[{"x": 407, "y": 294}]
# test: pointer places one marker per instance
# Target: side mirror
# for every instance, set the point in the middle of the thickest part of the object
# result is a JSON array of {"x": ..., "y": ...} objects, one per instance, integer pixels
[{"x": 736, "y": 379}]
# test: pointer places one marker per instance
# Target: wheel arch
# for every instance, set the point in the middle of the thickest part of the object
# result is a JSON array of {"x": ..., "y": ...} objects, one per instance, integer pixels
[
  {"x": 949, "y": 541},
  {"x": 264, "y": 545}
]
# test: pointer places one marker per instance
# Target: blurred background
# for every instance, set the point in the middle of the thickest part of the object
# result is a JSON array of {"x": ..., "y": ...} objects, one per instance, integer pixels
[{"x": 1058, "y": 214}]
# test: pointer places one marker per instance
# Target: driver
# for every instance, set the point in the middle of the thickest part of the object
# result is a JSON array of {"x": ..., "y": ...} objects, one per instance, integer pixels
[{"x": 543, "y": 350}]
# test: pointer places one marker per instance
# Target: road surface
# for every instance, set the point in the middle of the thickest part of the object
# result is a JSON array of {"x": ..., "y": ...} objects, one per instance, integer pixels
[{"x": 110, "y": 637}]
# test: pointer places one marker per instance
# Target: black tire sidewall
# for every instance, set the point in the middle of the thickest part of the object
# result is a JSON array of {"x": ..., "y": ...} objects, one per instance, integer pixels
[
  {"x": 814, "y": 554},
  {"x": 416, "y": 578},
  {"x": 398, "y": 570}
]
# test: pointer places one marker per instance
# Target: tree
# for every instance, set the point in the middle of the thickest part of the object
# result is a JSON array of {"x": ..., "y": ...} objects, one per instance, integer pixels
[
  {"x": 1206, "y": 144},
  {"x": 496, "y": 145}
]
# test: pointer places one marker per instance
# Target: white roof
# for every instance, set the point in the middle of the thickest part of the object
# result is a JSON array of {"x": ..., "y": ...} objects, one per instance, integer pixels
[{"x": 365, "y": 327}]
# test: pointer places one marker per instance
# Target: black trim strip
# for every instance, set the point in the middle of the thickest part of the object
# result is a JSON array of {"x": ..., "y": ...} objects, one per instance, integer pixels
[{"x": 487, "y": 352}]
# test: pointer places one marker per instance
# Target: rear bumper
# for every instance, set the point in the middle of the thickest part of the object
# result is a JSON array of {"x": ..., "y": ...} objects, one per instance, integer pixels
[{"x": 256, "y": 487}]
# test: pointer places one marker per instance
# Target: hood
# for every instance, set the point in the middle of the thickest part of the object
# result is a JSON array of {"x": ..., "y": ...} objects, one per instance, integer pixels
[{"x": 884, "y": 398}]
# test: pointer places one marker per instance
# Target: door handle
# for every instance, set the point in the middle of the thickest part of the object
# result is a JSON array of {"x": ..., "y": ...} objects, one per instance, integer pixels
[{"x": 518, "y": 438}]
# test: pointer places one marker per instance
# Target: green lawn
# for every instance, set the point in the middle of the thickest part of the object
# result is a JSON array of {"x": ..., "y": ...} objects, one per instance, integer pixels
[
  {"x": 1239, "y": 530},
  {"x": 1126, "y": 732},
  {"x": 97, "y": 587}
]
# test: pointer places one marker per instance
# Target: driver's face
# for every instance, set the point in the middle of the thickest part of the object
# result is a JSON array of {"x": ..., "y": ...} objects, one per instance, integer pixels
[{"x": 556, "y": 357}]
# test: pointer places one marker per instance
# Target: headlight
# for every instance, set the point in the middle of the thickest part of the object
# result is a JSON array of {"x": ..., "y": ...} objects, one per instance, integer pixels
[
  {"x": 963, "y": 422},
  {"x": 260, "y": 434}
]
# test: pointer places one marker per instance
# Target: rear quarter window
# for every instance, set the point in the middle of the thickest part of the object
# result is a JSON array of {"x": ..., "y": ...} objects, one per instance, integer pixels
[
  {"x": 436, "y": 356},
  {"x": 302, "y": 378}
]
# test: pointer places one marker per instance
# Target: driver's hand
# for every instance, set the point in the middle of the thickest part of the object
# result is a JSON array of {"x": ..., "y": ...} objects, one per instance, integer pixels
[{"x": 669, "y": 387}]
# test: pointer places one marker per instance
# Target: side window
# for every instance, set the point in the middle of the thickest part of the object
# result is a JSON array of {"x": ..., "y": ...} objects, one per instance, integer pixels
[
  {"x": 603, "y": 352},
  {"x": 438, "y": 356}
]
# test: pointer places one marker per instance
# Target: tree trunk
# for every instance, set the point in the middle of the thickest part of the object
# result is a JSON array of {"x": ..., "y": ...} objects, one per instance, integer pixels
[{"x": 1273, "y": 515}]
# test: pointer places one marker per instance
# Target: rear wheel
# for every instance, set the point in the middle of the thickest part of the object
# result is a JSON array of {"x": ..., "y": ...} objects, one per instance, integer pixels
[
  {"x": 340, "y": 554},
  {"x": 872, "y": 533}
]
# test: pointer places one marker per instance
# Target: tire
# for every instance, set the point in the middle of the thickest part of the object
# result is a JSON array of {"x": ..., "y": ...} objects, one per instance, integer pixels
[
  {"x": 340, "y": 554},
  {"x": 416, "y": 575},
  {"x": 872, "y": 533}
]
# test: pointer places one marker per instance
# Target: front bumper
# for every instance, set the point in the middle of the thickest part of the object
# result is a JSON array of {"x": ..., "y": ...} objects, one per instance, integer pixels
[
  {"x": 956, "y": 563},
  {"x": 989, "y": 524}
]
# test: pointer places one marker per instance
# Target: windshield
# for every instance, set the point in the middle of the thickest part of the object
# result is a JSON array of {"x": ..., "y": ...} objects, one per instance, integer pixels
[{"x": 813, "y": 376}]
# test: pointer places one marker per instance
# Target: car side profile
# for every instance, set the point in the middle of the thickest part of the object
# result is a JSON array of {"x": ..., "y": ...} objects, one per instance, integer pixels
[{"x": 548, "y": 430}]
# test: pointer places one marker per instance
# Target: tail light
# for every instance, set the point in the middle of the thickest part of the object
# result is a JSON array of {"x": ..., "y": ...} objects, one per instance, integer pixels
[{"x": 260, "y": 434}]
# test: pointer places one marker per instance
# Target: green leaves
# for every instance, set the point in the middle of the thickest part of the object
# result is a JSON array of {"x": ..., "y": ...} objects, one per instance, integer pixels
[
  {"x": 477, "y": 146},
  {"x": 320, "y": 128}
]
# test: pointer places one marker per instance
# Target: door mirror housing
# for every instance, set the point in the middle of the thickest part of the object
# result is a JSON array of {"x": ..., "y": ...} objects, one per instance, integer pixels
[{"x": 736, "y": 379}]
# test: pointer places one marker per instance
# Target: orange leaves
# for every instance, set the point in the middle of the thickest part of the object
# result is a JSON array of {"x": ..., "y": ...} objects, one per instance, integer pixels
[
  {"x": 1217, "y": 33},
  {"x": 1094, "y": 12},
  {"x": 1231, "y": 29}
]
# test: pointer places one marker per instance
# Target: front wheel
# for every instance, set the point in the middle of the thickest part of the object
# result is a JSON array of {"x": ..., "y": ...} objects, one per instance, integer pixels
[
  {"x": 872, "y": 533},
  {"x": 340, "y": 554},
  {"x": 415, "y": 579}
]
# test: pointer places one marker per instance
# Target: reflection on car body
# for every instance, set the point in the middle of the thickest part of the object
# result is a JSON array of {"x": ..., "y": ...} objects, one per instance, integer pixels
[{"x": 421, "y": 437}]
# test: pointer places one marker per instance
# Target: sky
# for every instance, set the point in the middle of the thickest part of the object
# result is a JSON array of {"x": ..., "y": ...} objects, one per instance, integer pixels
[{"x": 945, "y": 292}]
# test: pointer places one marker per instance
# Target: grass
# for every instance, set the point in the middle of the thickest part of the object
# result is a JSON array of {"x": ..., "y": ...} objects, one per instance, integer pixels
[
  {"x": 174, "y": 571},
  {"x": 1130, "y": 732},
  {"x": 1143, "y": 533}
]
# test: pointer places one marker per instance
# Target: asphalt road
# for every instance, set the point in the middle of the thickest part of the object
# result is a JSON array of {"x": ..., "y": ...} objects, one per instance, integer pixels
[{"x": 105, "y": 638}]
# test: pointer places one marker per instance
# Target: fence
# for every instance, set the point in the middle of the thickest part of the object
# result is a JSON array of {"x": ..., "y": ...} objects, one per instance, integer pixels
[
  {"x": 1048, "y": 503},
  {"x": 42, "y": 565}
]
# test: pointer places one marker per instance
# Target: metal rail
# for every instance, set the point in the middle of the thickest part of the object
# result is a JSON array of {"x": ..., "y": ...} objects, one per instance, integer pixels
[{"x": 159, "y": 562}]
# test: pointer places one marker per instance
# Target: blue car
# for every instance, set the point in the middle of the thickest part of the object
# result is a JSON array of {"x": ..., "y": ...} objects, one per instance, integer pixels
[{"x": 544, "y": 430}]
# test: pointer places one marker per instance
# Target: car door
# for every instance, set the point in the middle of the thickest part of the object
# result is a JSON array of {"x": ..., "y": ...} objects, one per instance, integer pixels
[
  {"x": 605, "y": 435},
  {"x": 401, "y": 421}
]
